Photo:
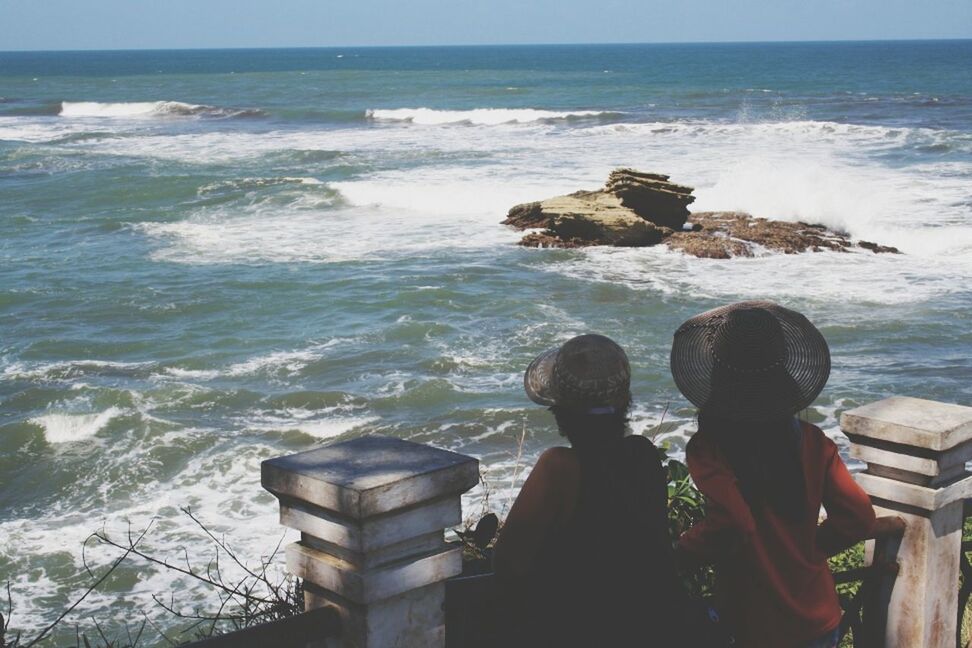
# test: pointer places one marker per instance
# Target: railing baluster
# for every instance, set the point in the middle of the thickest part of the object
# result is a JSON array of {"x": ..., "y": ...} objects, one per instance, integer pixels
[{"x": 916, "y": 451}]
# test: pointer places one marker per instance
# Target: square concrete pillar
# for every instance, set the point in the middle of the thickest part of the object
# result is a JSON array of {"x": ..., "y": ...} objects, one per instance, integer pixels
[
  {"x": 371, "y": 512},
  {"x": 916, "y": 451}
]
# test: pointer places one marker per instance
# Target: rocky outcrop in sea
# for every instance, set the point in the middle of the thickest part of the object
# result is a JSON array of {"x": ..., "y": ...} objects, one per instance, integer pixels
[{"x": 638, "y": 209}]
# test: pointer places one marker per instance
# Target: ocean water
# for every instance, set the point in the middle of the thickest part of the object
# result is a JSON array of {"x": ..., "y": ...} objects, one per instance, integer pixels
[{"x": 209, "y": 258}]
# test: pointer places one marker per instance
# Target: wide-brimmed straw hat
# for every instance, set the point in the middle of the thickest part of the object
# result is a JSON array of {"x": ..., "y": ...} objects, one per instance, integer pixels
[
  {"x": 750, "y": 361},
  {"x": 587, "y": 372}
]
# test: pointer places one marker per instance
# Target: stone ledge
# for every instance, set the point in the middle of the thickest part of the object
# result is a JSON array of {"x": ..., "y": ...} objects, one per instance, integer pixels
[
  {"x": 375, "y": 532},
  {"x": 369, "y": 476},
  {"x": 368, "y": 586},
  {"x": 923, "y": 497},
  {"x": 911, "y": 421},
  {"x": 872, "y": 455},
  {"x": 417, "y": 546}
]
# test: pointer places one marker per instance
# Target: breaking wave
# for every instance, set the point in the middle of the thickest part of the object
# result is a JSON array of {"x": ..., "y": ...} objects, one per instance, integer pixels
[
  {"x": 480, "y": 116},
  {"x": 141, "y": 109},
  {"x": 67, "y": 428}
]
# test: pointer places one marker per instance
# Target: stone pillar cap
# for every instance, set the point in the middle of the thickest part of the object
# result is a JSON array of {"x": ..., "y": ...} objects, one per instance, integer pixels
[
  {"x": 911, "y": 421},
  {"x": 369, "y": 475}
]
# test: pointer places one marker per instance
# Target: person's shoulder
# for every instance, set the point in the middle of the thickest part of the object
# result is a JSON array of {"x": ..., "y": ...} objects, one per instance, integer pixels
[
  {"x": 558, "y": 461},
  {"x": 816, "y": 440},
  {"x": 643, "y": 456},
  {"x": 638, "y": 443},
  {"x": 640, "y": 446},
  {"x": 699, "y": 444},
  {"x": 813, "y": 433}
]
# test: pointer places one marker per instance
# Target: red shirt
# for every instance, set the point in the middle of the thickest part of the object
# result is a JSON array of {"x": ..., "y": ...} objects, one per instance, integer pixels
[{"x": 778, "y": 589}]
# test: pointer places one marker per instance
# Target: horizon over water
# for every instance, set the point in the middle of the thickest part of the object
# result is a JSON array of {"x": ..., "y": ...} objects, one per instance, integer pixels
[
  {"x": 263, "y": 48},
  {"x": 213, "y": 257}
]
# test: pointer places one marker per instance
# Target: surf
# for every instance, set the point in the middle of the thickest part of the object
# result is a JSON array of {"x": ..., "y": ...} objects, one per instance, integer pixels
[
  {"x": 145, "y": 109},
  {"x": 479, "y": 116}
]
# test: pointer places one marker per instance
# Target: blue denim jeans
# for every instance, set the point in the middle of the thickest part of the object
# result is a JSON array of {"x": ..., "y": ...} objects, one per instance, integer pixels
[{"x": 829, "y": 640}]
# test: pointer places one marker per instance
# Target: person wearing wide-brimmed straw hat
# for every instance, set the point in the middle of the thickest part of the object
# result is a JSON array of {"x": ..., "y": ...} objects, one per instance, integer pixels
[
  {"x": 585, "y": 558},
  {"x": 751, "y": 368}
]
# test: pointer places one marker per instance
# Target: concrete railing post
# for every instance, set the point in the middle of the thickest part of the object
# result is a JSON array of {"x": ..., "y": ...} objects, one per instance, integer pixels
[
  {"x": 916, "y": 451},
  {"x": 371, "y": 514}
]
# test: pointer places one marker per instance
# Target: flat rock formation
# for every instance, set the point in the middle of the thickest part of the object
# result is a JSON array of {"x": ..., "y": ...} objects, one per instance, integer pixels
[
  {"x": 651, "y": 196},
  {"x": 594, "y": 217},
  {"x": 637, "y": 209},
  {"x": 721, "y": 235}
]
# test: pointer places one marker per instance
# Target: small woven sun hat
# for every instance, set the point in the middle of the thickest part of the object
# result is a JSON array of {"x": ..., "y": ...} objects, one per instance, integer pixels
[
  {"x": 750, "y": 361},
  {"x": 588, "y": 371}
]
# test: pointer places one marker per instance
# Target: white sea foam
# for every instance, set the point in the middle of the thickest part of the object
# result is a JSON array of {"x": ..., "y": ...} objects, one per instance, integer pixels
[
  {"x": 95, "y": 109},
  {"x": 284, "y": 234},
  {"x": 825, "y": 277},
  {"x": 141, "y": 109},
  {"x": 476, "y": 116},
  {"x": 321, "y": 427},
  {"x": 476, "y": 191},
  {"x": 820, "y": 172},
  {"x": 66, "y": 428},
  {"x": 458, "y": 182},
  {"x": 72, "y": 369},
  {"x": 18, "y": 129},
  {"x": 191, "y": 374},
  {"x": 278, "y": 362},
  {"x": 891, "y": 206},
  {"x": 223, "y": 489},
  {"x": 250, "y": 184}
]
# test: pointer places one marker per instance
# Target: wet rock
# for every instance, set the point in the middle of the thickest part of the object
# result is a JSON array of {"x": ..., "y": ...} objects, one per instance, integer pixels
[
  {"x": 651, "y": 196},
  {"x": 589, "y": 217},
  {"x": 878, "y": 249},
  {"x": 637, "y": 209},
  {"x": 722, "y": 235},
  {"x": 601, "y": 218},
  {"x": 708, "y": 247},
  {"x": 739, "y": 234},
  {"x": 541, "y": 240},
  {"x": 527, "y": 216}
]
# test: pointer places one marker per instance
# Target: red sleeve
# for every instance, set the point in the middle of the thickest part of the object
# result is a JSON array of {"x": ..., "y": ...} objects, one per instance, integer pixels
[
  {"x": 728, "y": 520},
  {"x": 850, "y": 515}
]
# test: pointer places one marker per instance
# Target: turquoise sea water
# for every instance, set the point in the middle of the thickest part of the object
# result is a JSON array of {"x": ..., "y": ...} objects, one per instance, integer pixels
[{"x": 209, "y": 258}]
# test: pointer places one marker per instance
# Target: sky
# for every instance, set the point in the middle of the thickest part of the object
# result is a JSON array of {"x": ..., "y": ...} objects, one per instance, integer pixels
[{"x": 164, "y": 24}]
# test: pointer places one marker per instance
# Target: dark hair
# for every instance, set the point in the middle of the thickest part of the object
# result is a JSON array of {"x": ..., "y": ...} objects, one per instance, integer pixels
[
  {"x": 766, "y": 460},
  {"x": 597, "y": 440},
  {"x": 623, "y": 485},
  {"x": 585, "y": 430}
]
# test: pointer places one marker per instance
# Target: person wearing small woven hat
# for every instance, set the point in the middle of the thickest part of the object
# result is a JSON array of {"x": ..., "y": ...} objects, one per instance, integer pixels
[
  {"x": 585, "y": 558},
  {"x": 750, "y": 368}
]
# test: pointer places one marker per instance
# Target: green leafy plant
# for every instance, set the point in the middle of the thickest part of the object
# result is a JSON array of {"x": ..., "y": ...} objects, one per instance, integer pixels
[{"x": 686, "y": 507}]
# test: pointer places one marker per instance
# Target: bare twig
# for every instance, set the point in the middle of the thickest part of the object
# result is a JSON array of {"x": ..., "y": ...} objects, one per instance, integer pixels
[
  {"x": 108, "y": 572},
  {"x": 517, "y": 469},
  {"x": 658, "y": 428},
  {"x": 5, "y": 623},
  {"x": 101, "y": 632},
  {"x": 187, "y": 571},
  {"x": 138, "y": 635},
  {"x": 158, "y": 629},
  {"x": 251, "y": 598},
  {"x": 487, "y": 490},
  {"x": 219, "y": 543}
]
